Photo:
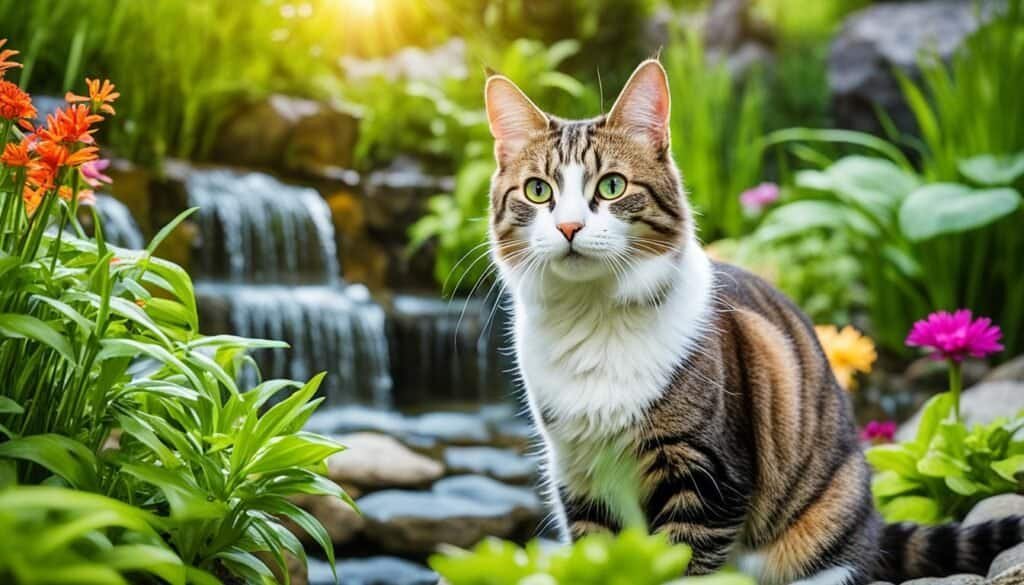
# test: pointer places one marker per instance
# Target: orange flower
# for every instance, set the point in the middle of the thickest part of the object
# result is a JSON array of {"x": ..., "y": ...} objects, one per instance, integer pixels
[
  {"x": 83, "y": 155},
  {"x": 70, "y": 125},
  {"x": 15, "y": 104},
  {"x": 32, "y": 196},
  {"x": 84, "y": 195},
  {"x": 16, "y": 154},
  {"x": 101, "y": 95},
  {"x": 6, "y": 54}
]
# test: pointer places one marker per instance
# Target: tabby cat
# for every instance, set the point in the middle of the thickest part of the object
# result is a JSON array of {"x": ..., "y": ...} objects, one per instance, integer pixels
[{"x": 706, "y": 378}]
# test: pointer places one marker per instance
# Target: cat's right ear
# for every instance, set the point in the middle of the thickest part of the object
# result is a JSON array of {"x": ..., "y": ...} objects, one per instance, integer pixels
[{"x": 512, "y": 116}]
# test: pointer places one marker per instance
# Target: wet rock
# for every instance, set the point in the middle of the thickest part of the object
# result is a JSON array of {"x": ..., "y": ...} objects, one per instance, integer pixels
[
  {"x": 1011, "y": 371},
  {"x": 452, "y": 428},
  {"x": 980, "y": 404},
  {"x": 284, "y": 132},
  {"x": 372, "y": 571},
  {"x": 1010, "y": 562},
  {"x": 424, "y": 432},
  {"x": 376, "y": 461},
  {"x": 459, "y": 511},
  {"x": 362, "y": 259},
  {"x": 339, "y": 519},
  {"x": 502, "y": 464},
  {"x": 962, "y": 579},
  {"x": 888, "y": 36},
  {"x": 995, "y": 508},
  {"x": 131, "y": 186}
]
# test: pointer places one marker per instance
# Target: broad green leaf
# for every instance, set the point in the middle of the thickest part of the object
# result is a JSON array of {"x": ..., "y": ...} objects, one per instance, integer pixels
[
  {"x": 875, "y": 184},
  {"x": 890, "y": 483},
  {"x": 936, "y": 464},
  {"x": 951, "y": 208},
  {"x": 303, "y": 519},
  {"x": 28, "y": 327},
  {"x": 893, "y": 457},
  {"x": 290, "y": 451},
  {"x": 158, "y": 561},
  {"x": 963, "y": 486},
  {"x": 57, "y": 498},
  {"x": 187, "y": 500},
  {"x": 794, "y": 219},
  {"x": 934, "y": 411},
  {"x": 1010, "y": 468},
  {"x": 993, "y": 170},
  {"x": 918, "y": 509},
  {"x": 8, "y": 406}
]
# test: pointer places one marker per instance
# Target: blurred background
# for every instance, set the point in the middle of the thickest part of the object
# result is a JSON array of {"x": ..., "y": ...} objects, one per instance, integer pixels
[{"x": 866, "y": 157}]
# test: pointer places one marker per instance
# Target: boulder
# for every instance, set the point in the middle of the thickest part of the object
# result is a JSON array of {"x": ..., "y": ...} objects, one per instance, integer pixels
[
  {"x": 962, "y": 579},
  {"x": 1011, "y": 371},
  {"x": 1010, "y": 562},
  {"x": 995, "y": 508},
  {"x": 886, "y": 36},
  {"x": 978, "y": 405},
  {"x": 460, "y": 511},
  {"x": 375, "y": 461},
  {"x": 371, "y": 571},
  {"x": 505, "y": 465},
  {"x": 424, "y": 431},
  {"x": 340, "y": 520}
]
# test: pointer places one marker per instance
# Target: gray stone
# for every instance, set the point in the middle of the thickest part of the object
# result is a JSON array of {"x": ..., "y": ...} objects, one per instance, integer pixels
[
  {"x": 962, "y": 579},
  {"x": 503, "y": 464},
  {"x": 995, "y": 508},
  {"x": 460, "y": 511},
  {"x": 888, "y": 36},
  {"x": 371, "y": 571},
  {"x": 1011, "y": 371},
  {"x": 1009, "y": 562},
  {"x": 980, "y": 404},
  {"x": 376, "y": 461},
  {"x": 453, "y": 428}
]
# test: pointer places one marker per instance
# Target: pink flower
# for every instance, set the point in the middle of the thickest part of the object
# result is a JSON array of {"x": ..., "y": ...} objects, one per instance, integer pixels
[
  {"x": 878, "y": 432},
  {"x": 92, "y": 172},
  {"x": 956, "y": 336},
  {"x": 755, "y": 199}
]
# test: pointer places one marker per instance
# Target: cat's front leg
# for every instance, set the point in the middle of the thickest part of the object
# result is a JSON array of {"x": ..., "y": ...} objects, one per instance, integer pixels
[{"x": 585, "y": 515}]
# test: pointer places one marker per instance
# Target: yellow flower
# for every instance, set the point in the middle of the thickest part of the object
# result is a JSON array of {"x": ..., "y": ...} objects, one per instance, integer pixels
[{"x": 848, "y": 352}]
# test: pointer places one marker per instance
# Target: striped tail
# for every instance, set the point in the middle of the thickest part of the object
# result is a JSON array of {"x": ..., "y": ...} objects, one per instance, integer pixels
[{"x": 910, "y": 551}]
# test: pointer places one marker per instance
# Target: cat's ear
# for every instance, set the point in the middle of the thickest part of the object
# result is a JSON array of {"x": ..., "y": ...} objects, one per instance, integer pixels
[
  {"x": 512, "y": 116},
  {"x": 642, "y": 109}
]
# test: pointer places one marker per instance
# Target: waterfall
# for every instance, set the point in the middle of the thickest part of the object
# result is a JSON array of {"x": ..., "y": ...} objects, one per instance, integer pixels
[
  {"x": 268, "y": 268},
  {"x": 119, "y": 227},
  {"x": 255, "y": 228}
]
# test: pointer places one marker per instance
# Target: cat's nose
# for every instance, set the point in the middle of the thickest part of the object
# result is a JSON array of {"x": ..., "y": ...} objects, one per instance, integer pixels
[{"x": 569, "y": 229}]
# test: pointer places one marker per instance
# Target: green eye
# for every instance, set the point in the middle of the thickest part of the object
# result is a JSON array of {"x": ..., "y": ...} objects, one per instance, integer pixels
[
  {"x": 611, "y": 186},
  {"x": 538, "y": 191}
]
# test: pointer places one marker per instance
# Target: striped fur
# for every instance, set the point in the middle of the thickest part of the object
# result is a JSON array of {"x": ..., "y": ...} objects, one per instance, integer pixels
[{"x": 705, "y": 383}]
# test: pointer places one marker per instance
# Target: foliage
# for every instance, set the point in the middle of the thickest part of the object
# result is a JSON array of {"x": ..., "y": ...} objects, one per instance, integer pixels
[
  {"x": 908, "y": 235},
  {"x": 177, "y": 91},
  {"x": 110, "y": 390},
  {"x": 716, "y": 125},
  {"x": 631, "y": 557},
  {"x": 946, "y": 469},
  {"x": 797, "y": 20}
]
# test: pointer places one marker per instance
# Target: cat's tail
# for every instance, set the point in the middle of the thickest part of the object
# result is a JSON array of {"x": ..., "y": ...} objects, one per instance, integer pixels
[{"x": 910, "y": 551}]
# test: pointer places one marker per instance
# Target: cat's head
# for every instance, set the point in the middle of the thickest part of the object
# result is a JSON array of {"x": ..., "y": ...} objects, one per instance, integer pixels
[{"x": 587, "y": 201}]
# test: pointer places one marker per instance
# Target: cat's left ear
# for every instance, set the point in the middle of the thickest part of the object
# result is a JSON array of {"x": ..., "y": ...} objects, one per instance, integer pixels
[
  {"x": 642, "y": 109},
  {"x": 513, "y": 118}
]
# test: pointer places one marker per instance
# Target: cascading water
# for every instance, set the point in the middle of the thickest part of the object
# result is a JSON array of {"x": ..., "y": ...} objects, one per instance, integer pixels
[
  {"x": 268, "y": 259},
  {"x": 119, "y": 227}
]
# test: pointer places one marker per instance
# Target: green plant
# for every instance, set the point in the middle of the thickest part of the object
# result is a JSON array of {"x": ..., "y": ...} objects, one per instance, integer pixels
[
  {"x": 716, "y": 125},
  {"x": 632, "y": 557},
  {"x": 108, "y": 388},
  {"x": 946, "y": 469}
]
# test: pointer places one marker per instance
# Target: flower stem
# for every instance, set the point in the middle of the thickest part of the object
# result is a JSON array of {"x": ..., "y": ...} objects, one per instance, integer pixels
[{"x": 955, "y": 385}]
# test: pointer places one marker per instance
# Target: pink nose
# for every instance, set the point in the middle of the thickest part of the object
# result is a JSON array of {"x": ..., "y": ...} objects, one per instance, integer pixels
[{"x": 569, "y": 229}]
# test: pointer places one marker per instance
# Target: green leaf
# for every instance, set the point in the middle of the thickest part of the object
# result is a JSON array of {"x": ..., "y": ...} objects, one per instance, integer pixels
[
  {"x": 145, "y": 558},
  {"x": 187, "y": 500},
  {"x": 935, "y": 464},
  {"x": 894, "y": 457},
  {"x": 934, "y": 411},
  {"x": 890, "y": 483},
  {"x": 9, "y": 406},
  {"x": 795, "y": 219},
  {"x": 61, "y": 455},
  {"x": 950, "y": 208},
  {"x": 875, "y": 184},
  {"x": 963, "y": 486},
  {"x": 993, "y": 170},
  {"x": 289, "y": 451},
  {"x": 167, "y": 229},
  {"x": 918, "y": 509},
  {"x": 28, "y": 327},
  {"x": 1010, "y": 468}
]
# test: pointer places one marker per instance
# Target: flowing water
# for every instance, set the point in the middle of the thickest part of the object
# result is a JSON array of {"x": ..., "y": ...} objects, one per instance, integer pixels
[{"x": 119, "y": 227}]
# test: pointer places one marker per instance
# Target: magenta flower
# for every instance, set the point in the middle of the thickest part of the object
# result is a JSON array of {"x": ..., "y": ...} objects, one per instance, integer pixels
[
  {"x": 755, "y": 199},
  {"x": 878, "y": 432},
  {"x": 954, "y": 336},
  {"x": 92, "y": 172}
]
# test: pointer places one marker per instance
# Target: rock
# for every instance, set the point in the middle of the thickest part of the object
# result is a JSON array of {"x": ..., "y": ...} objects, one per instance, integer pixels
[
  {"x": 1008, "y": 562},
  {"x": 339, "y": 519},
  {"x": 502, "y": 464},
  {"x": 377, "y": 461},
  {"x": 362, "y": 259},
  {"x": 995, "y": 508},
  {"x": 962, "y": 579},
  {"x": 452, "y": 428},
  {"x": 371, "y": 571},
  {"x": 423, "y": 431},
  {"x": 979, "y": 404},
  {"x": 289, "y": 133},
  {"x": 460, "y": 511},
  {"x": 1011, "y": 371},
  {"x": 888, "y": 36}
]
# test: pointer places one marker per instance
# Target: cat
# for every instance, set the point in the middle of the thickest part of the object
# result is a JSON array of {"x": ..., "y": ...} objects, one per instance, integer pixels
[{"x": 707, "y": 384}]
